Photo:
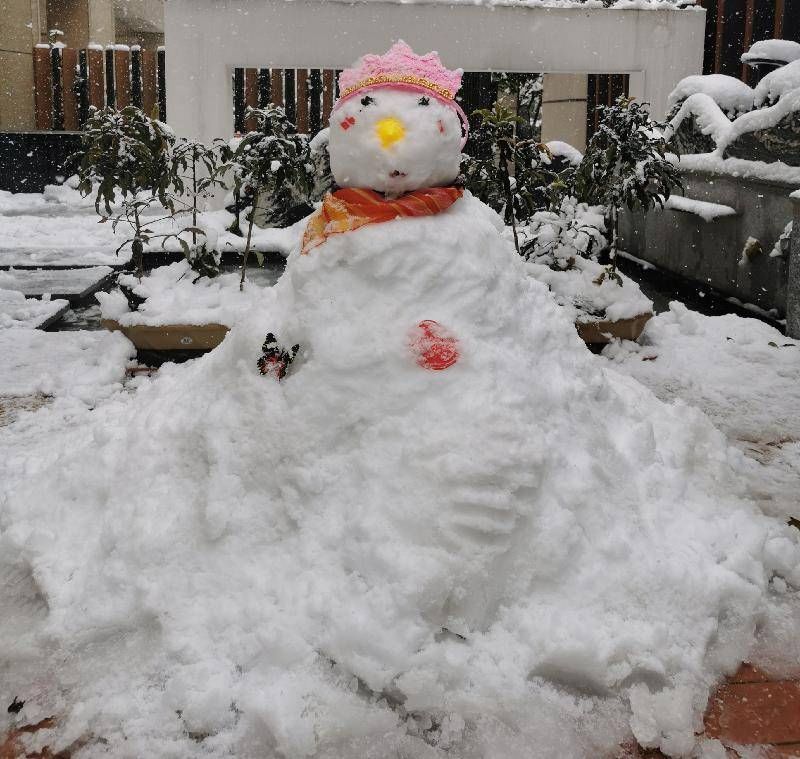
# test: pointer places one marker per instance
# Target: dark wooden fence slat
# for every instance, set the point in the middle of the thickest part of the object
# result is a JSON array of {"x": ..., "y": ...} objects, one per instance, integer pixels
[
  {"x": 97, "y": 86},
  {"x": 43, "y": 87},
  {"x": 289, "y": 102},
  {"x": 327, "y": 95},
  {"x": 136, "y": 76},
  {"x": 276, "y": 86},
  {"x": 250, "y": 97},
  {"x": 83, "y": 94},
  {"x": 58, "y": 89},
  {"x": 315, "y": 93},
  {"x": 69, "y": 80},
  {"x": 302, "y": 101},
  {"x": 111, "y": 86},
  {"x": 264, "y": 88},
  {"x": 238, "y": 100},
  {"x": 162, "y": 84},
  {"x": 149, "y": 82}
]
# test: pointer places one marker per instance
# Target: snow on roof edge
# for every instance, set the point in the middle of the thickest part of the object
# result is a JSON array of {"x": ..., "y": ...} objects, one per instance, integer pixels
[{"x": 636, "y": 5}]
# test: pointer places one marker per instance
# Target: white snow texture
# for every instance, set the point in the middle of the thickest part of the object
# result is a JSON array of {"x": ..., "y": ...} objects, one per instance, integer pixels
[{"x": 524, "y": 555}]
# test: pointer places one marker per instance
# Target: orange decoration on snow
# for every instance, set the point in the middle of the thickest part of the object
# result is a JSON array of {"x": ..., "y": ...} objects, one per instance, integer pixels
[{"x": 434, "y": 346}]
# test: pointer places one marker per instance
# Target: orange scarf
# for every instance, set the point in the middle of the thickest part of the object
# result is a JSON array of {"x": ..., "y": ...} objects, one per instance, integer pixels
[{"x": 349, "y": 209}]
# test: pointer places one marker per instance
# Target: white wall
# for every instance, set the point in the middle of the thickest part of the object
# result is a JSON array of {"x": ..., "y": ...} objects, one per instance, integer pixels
[{"x": 206, "y": 39}]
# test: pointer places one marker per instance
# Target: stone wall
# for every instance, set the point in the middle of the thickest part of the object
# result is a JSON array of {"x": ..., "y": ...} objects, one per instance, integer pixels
[{"x": 713, "y": 252}]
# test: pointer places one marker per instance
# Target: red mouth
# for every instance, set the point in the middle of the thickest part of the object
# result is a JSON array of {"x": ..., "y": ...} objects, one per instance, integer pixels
[{"x": 397, "y": 174}]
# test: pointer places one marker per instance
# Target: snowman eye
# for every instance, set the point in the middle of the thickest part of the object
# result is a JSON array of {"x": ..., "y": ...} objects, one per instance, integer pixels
[
  {"x": 424, "y": 101},
  {"x": 367, "y": 100}
]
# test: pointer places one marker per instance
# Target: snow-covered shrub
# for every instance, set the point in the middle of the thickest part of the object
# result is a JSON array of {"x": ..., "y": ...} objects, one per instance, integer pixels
[
  {"x": 509, "y": 174},
  {"x": 561, "y": 248},
  {"x": 778, "y": 83},
  {"x": 320, "y": 157},
  {"x": 525, "y": 92},
  {"x": 273, "y": 165},
  {"x": 557, "y": 238},
  {"x": 625, "y": 165},
  {"x": 773, "y": 50},
  {"x": 733, "y": 96},
  {"x": 698, "y": 126},
  {"x": 127, "y": 154},
  {"x": 768, "y": 134}
]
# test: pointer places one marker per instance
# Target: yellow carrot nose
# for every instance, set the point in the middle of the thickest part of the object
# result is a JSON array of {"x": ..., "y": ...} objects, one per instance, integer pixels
[{"x": 389, "y": 131}]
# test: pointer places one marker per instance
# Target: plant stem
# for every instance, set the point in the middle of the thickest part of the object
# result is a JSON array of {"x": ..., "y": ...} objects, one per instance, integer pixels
[
  {"x": 614, "y": 237},
  {"x": 194, "y": 197},
  {"x": 246, "y": 253},
  {"x": 504, "y": 161},
  {"x": 138, "y": 247}
]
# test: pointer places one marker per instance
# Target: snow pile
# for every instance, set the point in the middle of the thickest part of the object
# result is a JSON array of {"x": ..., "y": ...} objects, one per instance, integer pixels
[
  {"x": 732, "y": 95},
  {"x": 81, "y": 364},
  {"x": 706, "y": 211},
  {"x": 773, "y": 50},
  {"x": 369, "y": 559},
  {"x": 743, "y": 374},
  {"x": 778, "y": 83},
  {"x": 175, "y": 295},
  {"x": 18, "y": 311}
]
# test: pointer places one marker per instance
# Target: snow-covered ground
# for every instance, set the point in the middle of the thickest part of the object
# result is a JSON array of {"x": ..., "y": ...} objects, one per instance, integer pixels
[
  {"x": 744, "y": 375},
  {"x": 60, "y": 228},
  {"x": 207, "y": 563}
]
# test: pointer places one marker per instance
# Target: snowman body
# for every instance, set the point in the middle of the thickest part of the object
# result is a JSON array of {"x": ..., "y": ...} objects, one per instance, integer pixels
[
  {"x": 432, "y": 314},
  {"x": 447, "y": 459}
]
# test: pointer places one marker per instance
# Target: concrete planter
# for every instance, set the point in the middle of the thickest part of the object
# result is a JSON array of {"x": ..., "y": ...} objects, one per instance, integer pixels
[
  {"x": 718, "y": 253},
  {"x": 604, "y": 330}
]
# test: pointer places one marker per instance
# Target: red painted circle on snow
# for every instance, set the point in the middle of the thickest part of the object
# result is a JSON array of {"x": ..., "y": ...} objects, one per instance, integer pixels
[{"x": 434, "y": 346}]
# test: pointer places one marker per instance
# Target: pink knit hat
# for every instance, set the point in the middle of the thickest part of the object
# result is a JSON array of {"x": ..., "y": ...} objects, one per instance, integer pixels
[{"x": 401, "y": 68}]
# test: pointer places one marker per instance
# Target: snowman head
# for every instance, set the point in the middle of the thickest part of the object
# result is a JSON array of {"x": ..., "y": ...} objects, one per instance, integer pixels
[{"x": 396, "y": 126}]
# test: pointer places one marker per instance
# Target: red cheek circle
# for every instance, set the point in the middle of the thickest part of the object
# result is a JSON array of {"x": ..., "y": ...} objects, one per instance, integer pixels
[{"x": 347, "y": 123}]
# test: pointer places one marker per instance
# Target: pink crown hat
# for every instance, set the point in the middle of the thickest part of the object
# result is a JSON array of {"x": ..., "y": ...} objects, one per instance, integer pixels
[{"x": 401, "y": 68}]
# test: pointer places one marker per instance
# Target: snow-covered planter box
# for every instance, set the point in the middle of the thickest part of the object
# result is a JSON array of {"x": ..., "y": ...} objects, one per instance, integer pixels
[
  {"x": 559, "y": 248},
  {"x": 601, "y": 311},
  {"x": 178, "y": 311}
]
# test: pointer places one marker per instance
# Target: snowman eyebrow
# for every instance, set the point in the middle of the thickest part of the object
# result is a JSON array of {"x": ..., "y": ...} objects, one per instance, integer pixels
[
  {"x": 423, "y": 101},
  {"x": 367, "y": 100}
]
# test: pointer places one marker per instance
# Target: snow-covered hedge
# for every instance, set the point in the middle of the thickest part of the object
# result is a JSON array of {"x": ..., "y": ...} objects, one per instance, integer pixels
[
  {"x": 731, "y": 95},
  {"x": 778, "y": 83},
  {"x": 773, "y": 50},
  {"x": 769, "y": 132}
]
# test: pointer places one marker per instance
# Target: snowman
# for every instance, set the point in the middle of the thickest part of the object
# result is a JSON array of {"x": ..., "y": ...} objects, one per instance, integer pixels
[{"x": 408, "y": 305}]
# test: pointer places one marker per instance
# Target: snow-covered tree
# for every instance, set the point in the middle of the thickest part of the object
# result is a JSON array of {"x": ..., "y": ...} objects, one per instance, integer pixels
[
  {"x": 625, "y": 165},
  {"x": 127, "y": 155},
  {"x": 508, "y": 173},
  {"x": 194, "y": 176},
  {"x": 273, "y": 166}
]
